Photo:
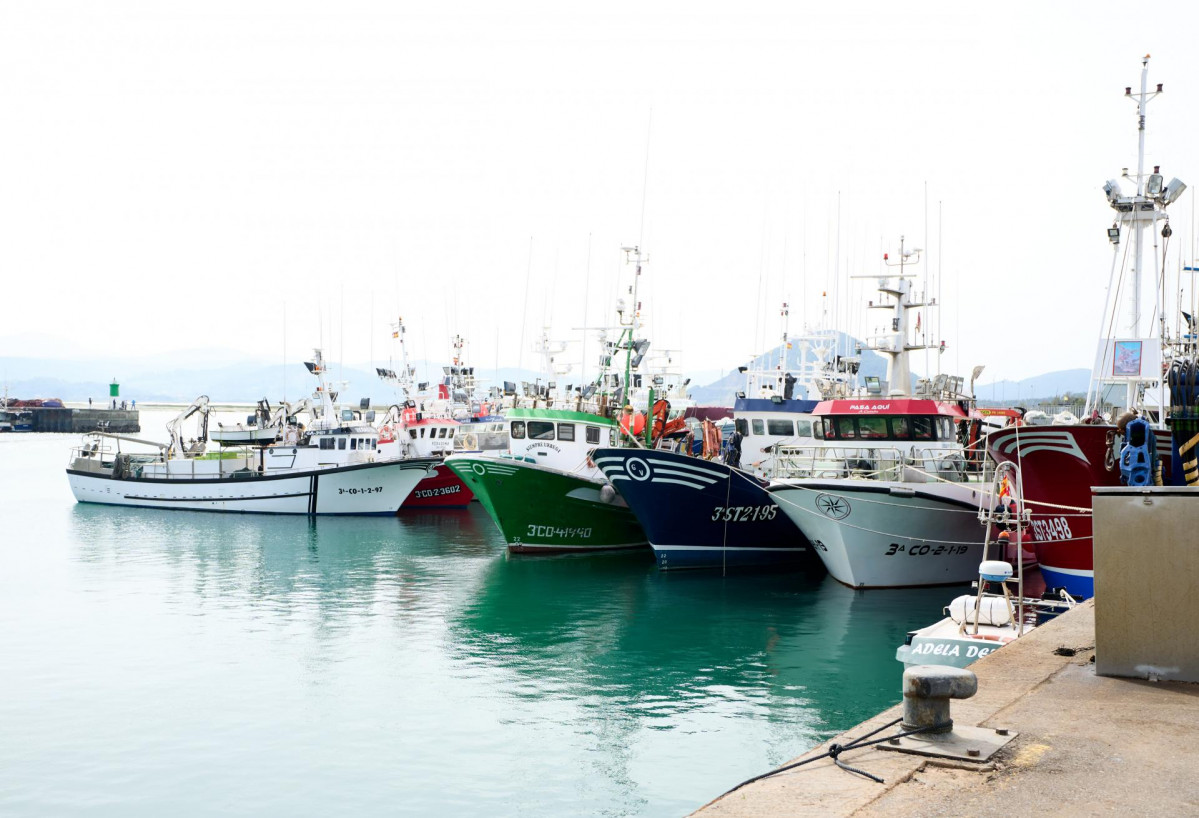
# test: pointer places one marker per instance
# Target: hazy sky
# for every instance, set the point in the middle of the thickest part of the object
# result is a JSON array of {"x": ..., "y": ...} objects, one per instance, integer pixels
[{"x": 180, "y": 177}]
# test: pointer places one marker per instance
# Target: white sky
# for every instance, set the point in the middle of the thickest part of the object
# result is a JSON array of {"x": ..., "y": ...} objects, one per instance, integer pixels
[{"x": 173, "y": 177}]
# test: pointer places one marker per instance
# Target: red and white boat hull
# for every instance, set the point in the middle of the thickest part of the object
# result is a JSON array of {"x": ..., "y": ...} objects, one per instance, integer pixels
[
  {"x": 441, "y": 489},
  {"x": 1058, "y": 467}
]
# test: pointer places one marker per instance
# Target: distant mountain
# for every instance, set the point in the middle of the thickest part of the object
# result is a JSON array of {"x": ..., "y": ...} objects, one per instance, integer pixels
[{"x": 1040, "y": 387}]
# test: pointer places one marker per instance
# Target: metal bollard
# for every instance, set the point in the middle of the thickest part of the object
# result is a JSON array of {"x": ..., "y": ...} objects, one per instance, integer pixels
[{"x": 927, "y": 690}]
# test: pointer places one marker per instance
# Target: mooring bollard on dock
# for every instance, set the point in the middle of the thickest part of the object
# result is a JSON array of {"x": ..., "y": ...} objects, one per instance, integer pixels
[{"x": 927, "y": 692}]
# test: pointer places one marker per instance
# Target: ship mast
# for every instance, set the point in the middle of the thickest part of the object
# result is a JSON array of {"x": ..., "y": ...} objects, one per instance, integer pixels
[
  {"x": 894, "y": 343},
  {"x": 1124, "y": 359}
]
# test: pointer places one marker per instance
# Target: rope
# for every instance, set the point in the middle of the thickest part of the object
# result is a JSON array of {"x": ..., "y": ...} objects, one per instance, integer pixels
[
  {"x": 1078, "y": 511},
  {"x": 777, "y": 496},
  {"x": 834, "y": 752}
]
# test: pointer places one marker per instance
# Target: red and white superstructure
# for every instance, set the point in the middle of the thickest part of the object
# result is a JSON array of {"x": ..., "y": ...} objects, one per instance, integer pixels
[
  {"x": 890, "y": 499},
  {"x": 427, "y": 423}
]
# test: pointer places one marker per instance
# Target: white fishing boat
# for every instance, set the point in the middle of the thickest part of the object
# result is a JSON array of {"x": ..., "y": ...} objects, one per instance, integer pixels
[
  {"x": 332, "y": 466},
  {"x": 889, "y": 499}
]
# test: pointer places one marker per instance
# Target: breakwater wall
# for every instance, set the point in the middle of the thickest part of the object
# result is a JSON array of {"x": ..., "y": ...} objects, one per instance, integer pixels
[{"x": 78, "y": 421}]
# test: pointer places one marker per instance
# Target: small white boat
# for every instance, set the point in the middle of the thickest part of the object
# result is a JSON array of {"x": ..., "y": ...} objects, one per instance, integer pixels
[
  {"x": 331, "y": 467},
  {"x": 977, "y": 624},
  {"x": 260, "y": 428}
]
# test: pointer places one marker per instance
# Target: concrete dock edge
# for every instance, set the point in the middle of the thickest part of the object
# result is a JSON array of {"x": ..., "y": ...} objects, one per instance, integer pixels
[{"x": 1088, "y": 745}]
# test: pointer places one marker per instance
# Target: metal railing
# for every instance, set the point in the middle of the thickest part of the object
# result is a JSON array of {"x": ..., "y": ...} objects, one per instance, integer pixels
[{"x": 885, "y": 463}]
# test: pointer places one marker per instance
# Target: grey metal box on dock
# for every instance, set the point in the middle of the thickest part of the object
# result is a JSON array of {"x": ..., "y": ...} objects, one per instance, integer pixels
[{"x": 1147, "y": 582}]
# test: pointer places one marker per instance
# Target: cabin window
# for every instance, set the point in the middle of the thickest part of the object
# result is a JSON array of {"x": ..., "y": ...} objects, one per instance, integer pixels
[
  {"x": 818, "y": 429},
  {"x": 946, "y": 429},
  {"x": 840, "y": 428},
  {"x": 341, "y": 443},
  {"x": 443, "y": 431},
  {"x": 422, "y": 431},
  {"x": 412, "y": 433},
  {"x": 451, "y": 434},
  {"x": 900, "y": 428},
  {"x": 742, "y": 426},
  {"x": 922, "y": 428},
  {"x": 518, "y": 430},
  {"x": 566, "y": 431},
  {"x": 541, "y": 430},
  {"x": 803, "y": 428},
  {"x": 759, "y": 427},
  {"x": 326, "y": 443},
  {"x": 353, "y": 443},
  {"x": 783, "y": 428},
  {"x": 593, "y": 434},
  {"x": 872, "y": 428}
]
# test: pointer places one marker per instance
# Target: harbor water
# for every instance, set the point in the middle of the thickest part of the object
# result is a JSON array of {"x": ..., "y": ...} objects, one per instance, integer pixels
[{"x": 190, "y": 662}]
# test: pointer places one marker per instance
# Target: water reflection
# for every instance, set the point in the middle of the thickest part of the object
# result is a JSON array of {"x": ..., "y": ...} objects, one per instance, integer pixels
[
  {"x": 578, "y": 684},
  {"x": 327, "y": 567},
  {"x": 637, "y": 652}
]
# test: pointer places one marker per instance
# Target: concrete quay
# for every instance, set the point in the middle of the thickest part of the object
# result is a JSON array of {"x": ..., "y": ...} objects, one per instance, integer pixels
[
  {"x": 1087, "y": 745},
  {"x": 77, "y": 421}
]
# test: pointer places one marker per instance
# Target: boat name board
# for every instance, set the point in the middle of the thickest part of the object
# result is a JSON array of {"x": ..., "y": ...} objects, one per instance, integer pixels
[
  {"x": 366, "y": 490},
  {"x": 1052, "y": 528},
  {"x": 557, "y": 531},
  {"x": 441, "y": 492},
  {"x": 744, "y": 514},
  {"x": 948, "y": 649},
  {"x": 925, "y": 549}
]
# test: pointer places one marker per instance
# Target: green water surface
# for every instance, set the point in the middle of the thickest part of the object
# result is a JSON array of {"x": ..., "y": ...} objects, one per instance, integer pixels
[{"x": 168, "y": 662}]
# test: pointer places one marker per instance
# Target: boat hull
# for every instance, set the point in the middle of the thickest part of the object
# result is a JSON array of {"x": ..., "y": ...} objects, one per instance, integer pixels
[
  {"x": 1058, "y": 467},
  {"x": 368, "y": 488},
  {"x": 441, "y": 489},
  {"x": 544, "y": 511},
  {"x": 695, "y": 516},
  {"x": 875, "y": 535}
]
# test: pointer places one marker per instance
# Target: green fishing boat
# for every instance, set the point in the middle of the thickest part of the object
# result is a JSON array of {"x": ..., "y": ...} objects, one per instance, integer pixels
[{"x": 544, "y": 492}]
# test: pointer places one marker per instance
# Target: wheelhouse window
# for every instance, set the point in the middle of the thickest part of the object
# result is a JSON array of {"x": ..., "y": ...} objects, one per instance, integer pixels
[
  {"x": 566, "y": 431},
  {"x": 840, "y": 428},
  {"x": 782, "y": 427},
  {"x": 922, "y": 428},
  {"x": 803, "y": 428},
  {"x": 541, "y": 430},
  {"x": 353, "y": 443},
  {"x": 593, "y": 434},
  {"x": 451, "y": 435},
  {"x": 742, "y": 426},
  {"x": 518, "y": 430},
  {"x": 872, "y": 428},
  {"x": 412, "y": 433},
  {"x": 443, "y": 431},
  {"x": 341, "y": 443},
  {"x": 944, "y": 429},
  {"x": 759, "y": 427},
  {"x": 326, "y": 443}
]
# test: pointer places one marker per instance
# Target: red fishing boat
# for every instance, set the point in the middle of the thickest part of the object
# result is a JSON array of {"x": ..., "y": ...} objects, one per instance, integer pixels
[{"x": 1061, "y": 463}]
